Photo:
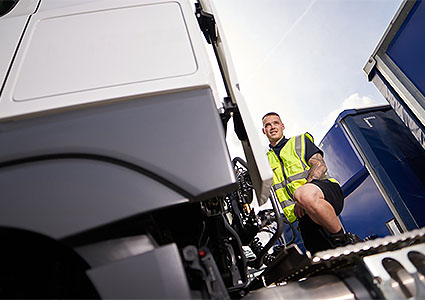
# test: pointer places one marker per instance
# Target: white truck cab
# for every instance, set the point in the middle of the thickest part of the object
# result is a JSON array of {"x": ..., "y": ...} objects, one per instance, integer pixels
[{"x": 109, "y": 113}]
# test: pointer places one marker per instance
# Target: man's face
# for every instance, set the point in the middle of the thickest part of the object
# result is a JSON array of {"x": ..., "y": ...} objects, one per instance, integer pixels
[{"x": 273, "y": 128}]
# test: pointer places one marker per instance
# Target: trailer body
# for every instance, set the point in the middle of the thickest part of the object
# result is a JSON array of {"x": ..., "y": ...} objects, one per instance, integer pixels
[
  {"x": 379, "y": 164},
  {"x": 396, "y": 66},
  {"x": 383, "y": 161}
]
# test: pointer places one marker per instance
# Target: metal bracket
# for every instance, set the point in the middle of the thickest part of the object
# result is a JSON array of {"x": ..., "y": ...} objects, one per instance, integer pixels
[
  {"x": 206, "y": 23},
  {"x": 226, "y": 111},
  {"x": 369, "y": 67}
]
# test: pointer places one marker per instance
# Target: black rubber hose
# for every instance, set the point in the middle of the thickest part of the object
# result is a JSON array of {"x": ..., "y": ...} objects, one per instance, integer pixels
[
  {"x": 258, "y": 261},
  {"x": 241, "y": 161},
  {"x": 242, "y": 254}
]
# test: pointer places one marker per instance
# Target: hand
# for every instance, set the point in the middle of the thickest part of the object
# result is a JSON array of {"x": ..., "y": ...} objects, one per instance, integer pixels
[{"x": 299, "y": 211}]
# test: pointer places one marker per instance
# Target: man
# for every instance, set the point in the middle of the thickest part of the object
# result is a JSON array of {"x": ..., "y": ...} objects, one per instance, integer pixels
[{"x": 302, "y": 187}]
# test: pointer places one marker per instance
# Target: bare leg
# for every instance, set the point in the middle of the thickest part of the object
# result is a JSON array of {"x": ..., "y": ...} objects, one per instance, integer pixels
[{"x": 310, "y": 197}]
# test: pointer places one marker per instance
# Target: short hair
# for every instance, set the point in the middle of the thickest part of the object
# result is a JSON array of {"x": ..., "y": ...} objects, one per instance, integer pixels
[{"x": 272, "y": 113}]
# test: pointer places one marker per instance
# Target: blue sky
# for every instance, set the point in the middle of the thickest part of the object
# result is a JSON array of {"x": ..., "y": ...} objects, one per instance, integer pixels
[{"x": 304, "y": 58}]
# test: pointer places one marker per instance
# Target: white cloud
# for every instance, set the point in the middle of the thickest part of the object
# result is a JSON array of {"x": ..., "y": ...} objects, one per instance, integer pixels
[{"x": 355, "y": 101}]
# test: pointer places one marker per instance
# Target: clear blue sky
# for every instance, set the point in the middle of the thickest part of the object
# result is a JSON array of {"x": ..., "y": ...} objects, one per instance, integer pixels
[{"x": 304, "y": 58}]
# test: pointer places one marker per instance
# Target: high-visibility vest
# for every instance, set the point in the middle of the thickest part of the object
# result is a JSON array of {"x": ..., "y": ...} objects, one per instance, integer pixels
[{"x": 290, "y": 171}]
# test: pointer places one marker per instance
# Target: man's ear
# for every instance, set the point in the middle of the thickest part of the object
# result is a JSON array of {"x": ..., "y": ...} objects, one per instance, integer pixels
[{"x": 262, "y": 129}]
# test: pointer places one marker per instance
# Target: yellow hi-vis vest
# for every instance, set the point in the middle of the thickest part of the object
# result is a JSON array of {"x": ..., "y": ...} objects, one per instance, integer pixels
[{"x": 290, "y": 171}]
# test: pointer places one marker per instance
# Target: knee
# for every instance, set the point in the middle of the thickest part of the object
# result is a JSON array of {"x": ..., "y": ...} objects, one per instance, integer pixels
[
  {"x": 307, "y": 198},
  {"x": 303, "y": 196}
]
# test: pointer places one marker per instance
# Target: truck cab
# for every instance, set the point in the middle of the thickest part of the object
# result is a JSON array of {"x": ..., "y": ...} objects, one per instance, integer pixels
[{"x": 109, "y": 114}]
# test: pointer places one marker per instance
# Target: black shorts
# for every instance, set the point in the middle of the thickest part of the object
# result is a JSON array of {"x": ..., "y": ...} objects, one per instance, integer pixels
[
  {"x": 333, "y": 193},
  {"x": 314, "y": 235}
]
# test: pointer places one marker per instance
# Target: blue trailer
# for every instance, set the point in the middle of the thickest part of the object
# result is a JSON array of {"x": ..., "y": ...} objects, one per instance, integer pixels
[
  {"x": 379, "y": 164},
  {"x": 378, "y": 153},
  {"x": 396, "y": 67}
]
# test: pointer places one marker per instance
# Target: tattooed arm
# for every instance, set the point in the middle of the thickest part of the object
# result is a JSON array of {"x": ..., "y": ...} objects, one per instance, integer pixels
[{"x": 318, "y": 167}]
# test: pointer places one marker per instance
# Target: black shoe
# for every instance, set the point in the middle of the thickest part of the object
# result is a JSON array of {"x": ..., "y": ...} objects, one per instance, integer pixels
[
  {"x": 353, "y": 238},
  {"x": 344, "y": 239},
  {"x": 338, "y": 239}
]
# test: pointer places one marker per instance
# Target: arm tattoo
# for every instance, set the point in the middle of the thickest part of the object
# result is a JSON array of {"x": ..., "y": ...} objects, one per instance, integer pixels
[{"x": 318, "y": 167}]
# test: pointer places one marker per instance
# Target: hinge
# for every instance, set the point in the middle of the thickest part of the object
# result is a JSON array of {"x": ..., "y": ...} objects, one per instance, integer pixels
[{"x": 206, "y": 23}]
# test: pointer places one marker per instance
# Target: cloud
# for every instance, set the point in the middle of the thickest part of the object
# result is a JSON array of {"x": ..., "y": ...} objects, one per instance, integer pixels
[{"x": 355, "y": 101}]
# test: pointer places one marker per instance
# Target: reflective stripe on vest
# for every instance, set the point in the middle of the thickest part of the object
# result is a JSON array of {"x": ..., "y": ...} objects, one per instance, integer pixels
[
  {"x": 298, "y": 149},
  {"x": 292, "y": 178},
  {"x": 290, "y": 171},
  {"x": 287, "y": 203}
]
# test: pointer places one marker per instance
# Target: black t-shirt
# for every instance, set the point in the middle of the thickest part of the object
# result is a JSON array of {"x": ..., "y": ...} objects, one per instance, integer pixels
[{"x": 310, "y": 148}]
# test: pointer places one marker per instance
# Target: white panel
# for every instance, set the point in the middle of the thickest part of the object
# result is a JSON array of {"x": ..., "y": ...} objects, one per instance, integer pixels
[
  {"x": 11, "y": 29},
  {"x": 260, "y": 171},
  {"x": 113, "y": 64},
  {"x": 86, "y": 51}
]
